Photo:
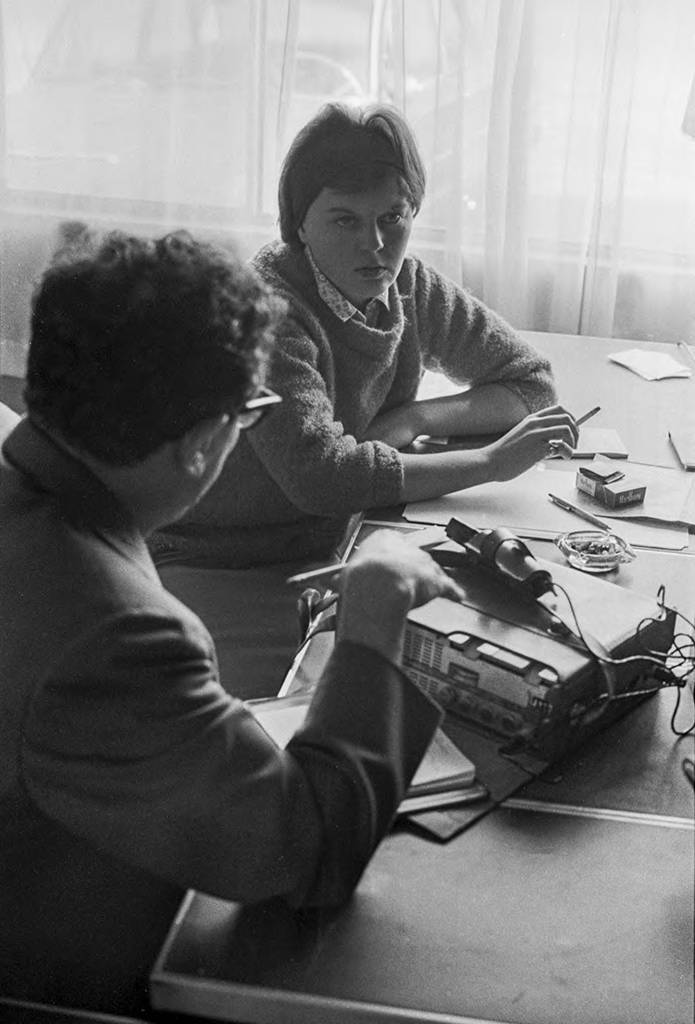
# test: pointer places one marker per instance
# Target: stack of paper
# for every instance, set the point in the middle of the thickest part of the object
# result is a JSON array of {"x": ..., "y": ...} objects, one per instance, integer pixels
[{"x": 650, "y": 365}]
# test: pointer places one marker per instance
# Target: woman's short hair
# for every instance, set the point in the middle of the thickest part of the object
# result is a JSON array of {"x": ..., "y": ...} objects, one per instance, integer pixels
[
  {"x": 134, "y": 341},
  {"x": 349, "y": 149}
]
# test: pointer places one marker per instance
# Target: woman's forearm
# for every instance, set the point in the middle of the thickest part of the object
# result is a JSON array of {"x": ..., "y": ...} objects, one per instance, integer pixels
[
  {"x": 487, "y": 409},
  {"x": 430, "y": 476}
]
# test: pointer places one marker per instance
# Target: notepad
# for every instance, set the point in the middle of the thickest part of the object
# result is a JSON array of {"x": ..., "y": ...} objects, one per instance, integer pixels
[
  {"x": 599, "y": 441},
  {"x": 683, "y": 442},
  {"x": 445, "y": 774}
]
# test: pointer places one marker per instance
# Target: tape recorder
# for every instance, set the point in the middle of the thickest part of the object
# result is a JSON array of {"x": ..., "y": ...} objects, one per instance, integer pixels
[{"x": 542, "y": 667}]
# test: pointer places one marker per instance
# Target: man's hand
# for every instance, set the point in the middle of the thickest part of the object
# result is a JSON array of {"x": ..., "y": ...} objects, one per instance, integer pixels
[{"x": 385, "y": 578}]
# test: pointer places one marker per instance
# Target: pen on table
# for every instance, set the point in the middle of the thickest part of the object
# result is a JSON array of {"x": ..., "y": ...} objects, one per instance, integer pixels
[
  {"x": 588, "y": 415},
  {"x": 587, "y": 516}
]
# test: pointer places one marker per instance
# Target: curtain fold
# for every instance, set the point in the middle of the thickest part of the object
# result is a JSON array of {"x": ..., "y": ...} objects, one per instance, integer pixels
[{"x": 557, "y": 136}]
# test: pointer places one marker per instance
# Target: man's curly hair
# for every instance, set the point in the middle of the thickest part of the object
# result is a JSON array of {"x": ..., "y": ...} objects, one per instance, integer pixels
[{"x": 134, "y": 341}]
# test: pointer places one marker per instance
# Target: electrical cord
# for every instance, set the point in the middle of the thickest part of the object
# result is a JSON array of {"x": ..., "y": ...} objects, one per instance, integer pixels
[{"x": 683, "y": 649}]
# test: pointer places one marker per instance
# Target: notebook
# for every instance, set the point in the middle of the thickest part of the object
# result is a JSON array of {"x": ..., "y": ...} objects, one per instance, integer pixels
[
  {"x": 445, "y": 775},
  {"x": 683, "y": 442},
  {"x": 598, "y": 441}
]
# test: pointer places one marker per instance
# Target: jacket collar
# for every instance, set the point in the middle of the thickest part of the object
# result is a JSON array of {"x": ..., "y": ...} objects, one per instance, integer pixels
[{"x": 81, "y": 496}]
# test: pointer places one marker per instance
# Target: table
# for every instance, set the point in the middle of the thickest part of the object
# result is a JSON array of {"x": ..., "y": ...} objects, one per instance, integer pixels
[
  {"x": 572, "y": 903},
  {"x": 641, "y": 411}
]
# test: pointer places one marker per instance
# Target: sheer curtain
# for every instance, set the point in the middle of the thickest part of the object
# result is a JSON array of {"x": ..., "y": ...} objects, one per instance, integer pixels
[{"x": 560, "y": 158}]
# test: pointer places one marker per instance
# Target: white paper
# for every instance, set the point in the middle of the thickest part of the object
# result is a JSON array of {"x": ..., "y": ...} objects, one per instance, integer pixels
[
  {"x": 522, "y": 505},
  {"x": 650, "y": 365}
]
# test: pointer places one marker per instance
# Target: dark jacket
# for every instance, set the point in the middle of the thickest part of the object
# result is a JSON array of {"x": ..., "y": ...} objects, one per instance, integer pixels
[{"x": 127, "y": 774}]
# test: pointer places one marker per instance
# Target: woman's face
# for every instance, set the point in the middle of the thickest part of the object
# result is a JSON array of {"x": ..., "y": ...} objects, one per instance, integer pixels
[{"x": 358, "y": 240}]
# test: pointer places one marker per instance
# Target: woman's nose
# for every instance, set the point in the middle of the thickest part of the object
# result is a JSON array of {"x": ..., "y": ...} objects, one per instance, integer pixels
[{"x": 372, "y": 239}]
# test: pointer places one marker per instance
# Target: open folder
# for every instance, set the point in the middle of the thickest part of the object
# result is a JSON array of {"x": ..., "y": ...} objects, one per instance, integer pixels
[{"x": 445, "y": 775}]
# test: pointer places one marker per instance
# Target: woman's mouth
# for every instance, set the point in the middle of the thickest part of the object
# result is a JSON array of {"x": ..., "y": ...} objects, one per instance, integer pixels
[{"x": 375, "y": 271}]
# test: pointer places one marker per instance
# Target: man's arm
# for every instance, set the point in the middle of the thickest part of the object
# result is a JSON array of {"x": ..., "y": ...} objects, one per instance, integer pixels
[{"x": 135, "y": 747}]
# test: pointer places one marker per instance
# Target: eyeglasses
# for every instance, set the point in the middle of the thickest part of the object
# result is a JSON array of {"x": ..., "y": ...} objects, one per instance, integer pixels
[{"x": 255, "y": 409}]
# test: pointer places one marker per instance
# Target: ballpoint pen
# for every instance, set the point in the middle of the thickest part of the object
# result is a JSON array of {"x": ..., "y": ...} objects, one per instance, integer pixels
[{"x": 587, "y": 516}]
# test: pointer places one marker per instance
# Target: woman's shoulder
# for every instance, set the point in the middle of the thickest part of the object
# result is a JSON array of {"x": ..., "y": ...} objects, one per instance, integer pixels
[
  {"x": 287, "y": 272},
  {"x": 425, "y": 288},
  {"x": 282, "y": 266},
  {"x": 418, "y": 277}
]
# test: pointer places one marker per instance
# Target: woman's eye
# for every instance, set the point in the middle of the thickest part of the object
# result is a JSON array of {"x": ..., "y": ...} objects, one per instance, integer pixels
[
  {"x": 392, "y": 218},
  {"x": 344, "y": 221}
]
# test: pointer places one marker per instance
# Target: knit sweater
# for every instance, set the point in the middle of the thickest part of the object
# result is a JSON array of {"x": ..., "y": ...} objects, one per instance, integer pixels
[{"x": 291, "y": 483}]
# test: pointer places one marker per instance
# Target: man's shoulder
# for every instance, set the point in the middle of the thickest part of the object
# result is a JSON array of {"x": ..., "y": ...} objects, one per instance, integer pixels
[{"x": 79, "y": 582}]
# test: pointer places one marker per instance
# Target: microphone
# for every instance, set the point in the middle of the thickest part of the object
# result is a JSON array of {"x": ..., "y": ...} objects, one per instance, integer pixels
[{"x": 504, "y": 554}]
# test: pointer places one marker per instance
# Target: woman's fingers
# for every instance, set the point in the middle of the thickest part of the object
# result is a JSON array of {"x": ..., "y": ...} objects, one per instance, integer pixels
[{"x": 557, "y": 418}]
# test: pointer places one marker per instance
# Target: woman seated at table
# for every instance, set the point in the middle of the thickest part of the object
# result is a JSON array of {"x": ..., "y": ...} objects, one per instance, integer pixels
[{"x": 364, "y": 321}]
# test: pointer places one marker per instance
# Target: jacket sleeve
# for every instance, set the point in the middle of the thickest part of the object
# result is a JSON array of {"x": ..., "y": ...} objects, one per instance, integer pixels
[
  {"x": 321, "y": 468},
  {"x": 470, "y": 343},
  {"x": 134, "y": 746}
]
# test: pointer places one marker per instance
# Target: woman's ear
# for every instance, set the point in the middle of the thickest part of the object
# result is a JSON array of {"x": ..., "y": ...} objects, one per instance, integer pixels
[{"x": 301, "y": 234}]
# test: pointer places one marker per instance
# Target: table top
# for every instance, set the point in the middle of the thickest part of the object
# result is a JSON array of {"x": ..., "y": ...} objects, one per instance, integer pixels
[
  {"x": 572, "y": 902},
  {"x": 641, "y": 411},
  {"x": 531, "y": 918}
]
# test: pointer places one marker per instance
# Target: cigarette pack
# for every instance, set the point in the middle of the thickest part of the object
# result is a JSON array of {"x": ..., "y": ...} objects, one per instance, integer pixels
[
  {"x": 602, "y": 470},
  {"x": 628, "y": 490}
]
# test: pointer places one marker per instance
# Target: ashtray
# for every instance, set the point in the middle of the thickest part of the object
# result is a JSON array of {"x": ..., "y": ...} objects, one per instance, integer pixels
[{"x": 594, "y": 550}]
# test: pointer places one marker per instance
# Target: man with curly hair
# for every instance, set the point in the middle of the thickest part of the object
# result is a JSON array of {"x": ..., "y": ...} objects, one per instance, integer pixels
[{"x": 127, "y": 773}]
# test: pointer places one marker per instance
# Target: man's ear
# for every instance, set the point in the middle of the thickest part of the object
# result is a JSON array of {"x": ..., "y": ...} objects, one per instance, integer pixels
[{"x": 203, "y": 445}]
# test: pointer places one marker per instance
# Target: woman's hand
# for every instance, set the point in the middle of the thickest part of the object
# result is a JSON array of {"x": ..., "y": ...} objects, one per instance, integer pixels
[{"x": 551, "y": 431}]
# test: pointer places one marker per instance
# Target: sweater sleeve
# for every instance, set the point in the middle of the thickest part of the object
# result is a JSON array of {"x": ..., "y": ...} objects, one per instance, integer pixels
[
  {"x": 470, "y": 343},
  {"x": 133, "y": 745},
  {"x": 321, "y": 468}
]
